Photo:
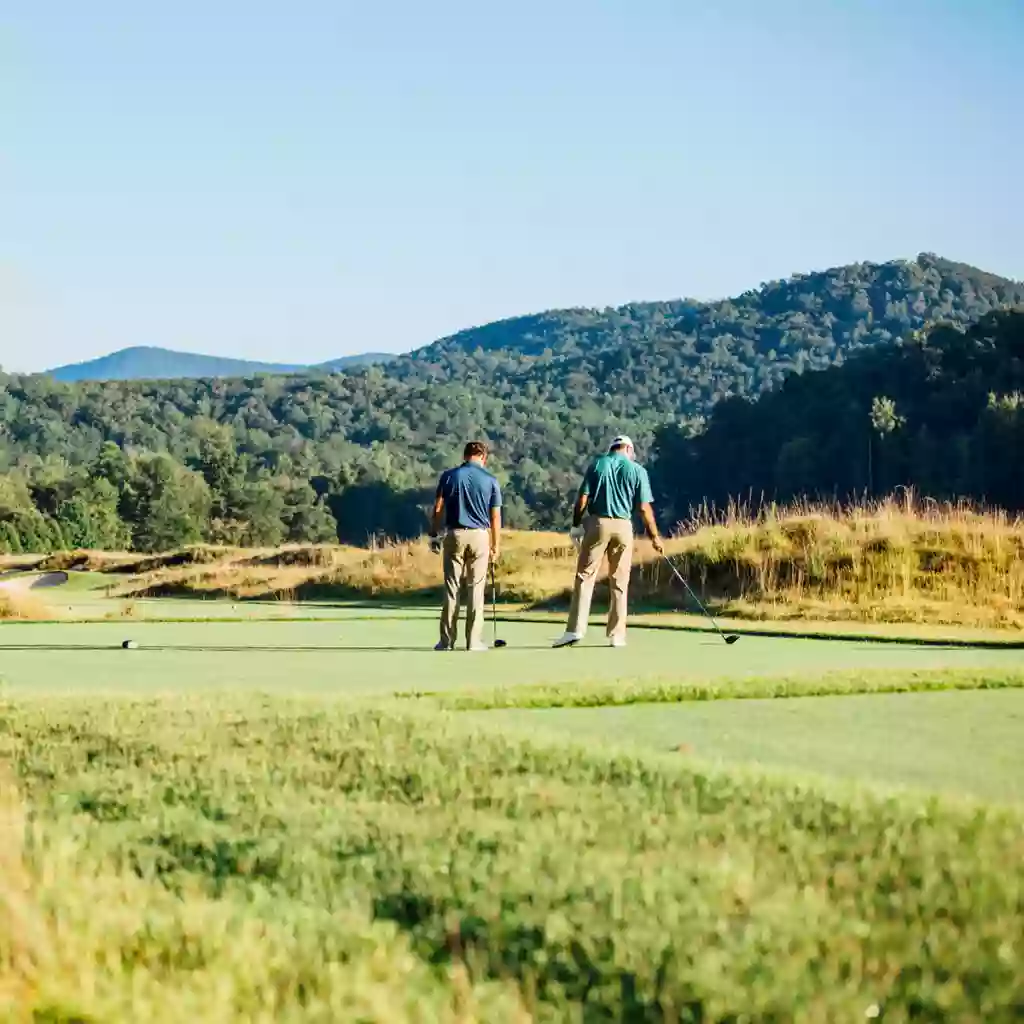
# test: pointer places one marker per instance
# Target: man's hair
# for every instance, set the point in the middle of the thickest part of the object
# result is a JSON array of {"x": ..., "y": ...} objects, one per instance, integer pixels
[
  {"x": 475, "y": 450},
  {"x": 618, "y": 447}
]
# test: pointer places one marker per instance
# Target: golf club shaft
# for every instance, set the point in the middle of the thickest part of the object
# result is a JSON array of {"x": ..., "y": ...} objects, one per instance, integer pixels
[
  {"x": 494, "y": 606},
  {"x": 682, "y": 579}
]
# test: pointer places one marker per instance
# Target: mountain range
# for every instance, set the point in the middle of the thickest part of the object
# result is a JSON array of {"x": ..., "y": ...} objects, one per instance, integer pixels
[
  {"x": 676, "y": 357},
  {"x": 150, "y": 363},
  {"x": 547, "y": 390}
]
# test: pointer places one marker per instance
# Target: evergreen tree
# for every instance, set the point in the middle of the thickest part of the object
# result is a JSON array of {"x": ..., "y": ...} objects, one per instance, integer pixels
[{"x": 170, "y": 504}]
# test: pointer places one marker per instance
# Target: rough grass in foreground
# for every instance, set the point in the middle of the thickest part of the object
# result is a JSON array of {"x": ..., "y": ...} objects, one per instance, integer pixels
[
  {"x": 206, "y": 860},
  {"x": 83, "y": 940}
]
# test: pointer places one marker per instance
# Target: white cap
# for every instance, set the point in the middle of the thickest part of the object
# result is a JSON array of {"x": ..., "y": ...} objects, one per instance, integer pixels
[{"x": 622, "y": 441}]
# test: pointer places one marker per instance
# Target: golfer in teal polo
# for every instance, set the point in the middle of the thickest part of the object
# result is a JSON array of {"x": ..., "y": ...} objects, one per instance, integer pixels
[{"x": 613, "y": 489}]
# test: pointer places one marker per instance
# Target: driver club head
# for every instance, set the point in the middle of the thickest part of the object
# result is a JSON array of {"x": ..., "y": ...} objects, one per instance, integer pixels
[
  {"x": 500, "y": 643},
  {"x": 731, "y": 638}
]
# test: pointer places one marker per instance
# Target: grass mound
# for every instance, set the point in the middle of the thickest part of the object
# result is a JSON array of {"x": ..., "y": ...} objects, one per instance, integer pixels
[
  {"x": 889, "y": 562},
  {"x": 386, "y": 867},
  {"x": 886, "y": 562}
]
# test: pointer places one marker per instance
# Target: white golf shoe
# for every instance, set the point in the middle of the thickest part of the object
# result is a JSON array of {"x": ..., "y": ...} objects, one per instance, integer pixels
[
  {"x": 616, "y": 641},
  {"x": 568, "y": 640},
  {"x": 476, "y": 648}
]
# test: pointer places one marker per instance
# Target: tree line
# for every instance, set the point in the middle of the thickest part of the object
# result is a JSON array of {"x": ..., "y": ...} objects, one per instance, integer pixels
[
  {"x": 942, "y": 411},
  {"x": 266, "y": 459}
]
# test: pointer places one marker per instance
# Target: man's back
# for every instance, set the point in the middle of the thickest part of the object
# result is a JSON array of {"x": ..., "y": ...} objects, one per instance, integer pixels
[
  {"x": 615, "y": 486},
  {"x": 469, "y": 493}
]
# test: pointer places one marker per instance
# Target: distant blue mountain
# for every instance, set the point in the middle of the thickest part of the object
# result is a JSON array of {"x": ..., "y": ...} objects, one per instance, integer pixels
[{"x": 147, "y": 363}]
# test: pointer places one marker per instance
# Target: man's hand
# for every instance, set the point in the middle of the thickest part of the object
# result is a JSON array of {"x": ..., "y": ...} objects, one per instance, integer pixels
[
  {"x": 436, "y": 543},
  {"x": 659, "y": 544},
  {"x": 495, "y": 555},
  {"x": 576, "y": 536}
]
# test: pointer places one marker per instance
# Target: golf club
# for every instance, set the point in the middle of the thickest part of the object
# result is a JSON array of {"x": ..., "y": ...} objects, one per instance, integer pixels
[
  {"x": 494, "y": 610},
  {"x": 729, "y": 638}
]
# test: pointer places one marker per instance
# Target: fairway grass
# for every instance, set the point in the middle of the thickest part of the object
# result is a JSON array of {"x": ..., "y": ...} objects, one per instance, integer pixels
[
  {"x": 360, "y": 652},
  {"x": 955, "y": 742},
  {"x": 264, "y": 858}
]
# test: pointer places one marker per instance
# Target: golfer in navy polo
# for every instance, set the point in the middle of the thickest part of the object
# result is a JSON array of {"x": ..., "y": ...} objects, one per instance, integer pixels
[{"x": 468, "y": 505}]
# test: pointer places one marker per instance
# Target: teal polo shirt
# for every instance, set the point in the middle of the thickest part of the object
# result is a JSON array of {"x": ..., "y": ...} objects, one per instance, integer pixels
[{"x": 615, "y": 486}]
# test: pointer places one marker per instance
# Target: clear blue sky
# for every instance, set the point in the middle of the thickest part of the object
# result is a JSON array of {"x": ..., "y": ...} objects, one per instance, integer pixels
[{"x": 300, "y": 181}]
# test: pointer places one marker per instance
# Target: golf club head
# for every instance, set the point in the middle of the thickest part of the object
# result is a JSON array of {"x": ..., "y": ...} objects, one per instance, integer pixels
[
  {"x": 500, "y": 643},
  {"x": 731, "y": 638}
]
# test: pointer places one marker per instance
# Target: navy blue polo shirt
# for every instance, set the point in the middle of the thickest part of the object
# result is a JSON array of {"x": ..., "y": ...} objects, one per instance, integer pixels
[{"x": 469, "y": 493}]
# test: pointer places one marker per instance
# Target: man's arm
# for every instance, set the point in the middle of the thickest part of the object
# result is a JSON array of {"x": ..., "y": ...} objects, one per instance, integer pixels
[
  {"x": 495, "y": 533},
  {"x": 647, "y": 515},
  {"x": 495, "y": 521},
  {"x": 435, "y": 522},
  {"x": 582, "y": 499}
]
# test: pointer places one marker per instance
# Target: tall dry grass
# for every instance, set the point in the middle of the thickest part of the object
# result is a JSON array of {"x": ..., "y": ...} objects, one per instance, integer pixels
[
  {"x": 533, "y": 568},
  {"x": 894, "y": 560},
  {"x": 26, "y": 606},
  {"x": 898, "y": 560}
]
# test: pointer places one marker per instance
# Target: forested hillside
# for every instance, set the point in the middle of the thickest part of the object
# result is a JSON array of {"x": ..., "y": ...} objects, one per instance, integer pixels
[
  {"x": 942, "y": 411},
  {"x": 657, "y": 360},
  {"x": 265, "y": 458}
]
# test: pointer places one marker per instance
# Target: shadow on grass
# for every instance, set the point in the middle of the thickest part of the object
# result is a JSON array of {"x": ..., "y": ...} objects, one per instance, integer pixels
[
  {"x": 259, "y": 649},
  {"x": 566, "y": 976},
  {"x": 795, "y": 632}
]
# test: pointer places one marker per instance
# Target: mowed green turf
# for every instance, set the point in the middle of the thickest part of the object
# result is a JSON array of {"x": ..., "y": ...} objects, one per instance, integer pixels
[
  {"x": 966, "y": 743},
  {"x": 367, "y": 651}
]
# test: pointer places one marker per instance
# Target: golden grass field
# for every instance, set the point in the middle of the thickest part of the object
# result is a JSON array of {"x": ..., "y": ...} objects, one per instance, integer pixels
[{"x": 883, "y": 563}]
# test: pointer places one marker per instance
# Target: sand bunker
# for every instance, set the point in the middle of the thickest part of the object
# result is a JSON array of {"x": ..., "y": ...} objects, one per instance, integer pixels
[{"x": 22, "y": 581}]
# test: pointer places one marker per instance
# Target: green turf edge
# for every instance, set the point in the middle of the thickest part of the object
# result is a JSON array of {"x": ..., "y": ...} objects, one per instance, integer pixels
[
  {"x": 674, "y": 691},
  {"x": 917, "y": 634}
]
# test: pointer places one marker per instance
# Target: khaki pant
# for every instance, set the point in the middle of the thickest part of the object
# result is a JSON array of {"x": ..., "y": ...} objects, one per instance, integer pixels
[
  {"x": 614, "y": 536},
  {"x": 467, "y": 553}
]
